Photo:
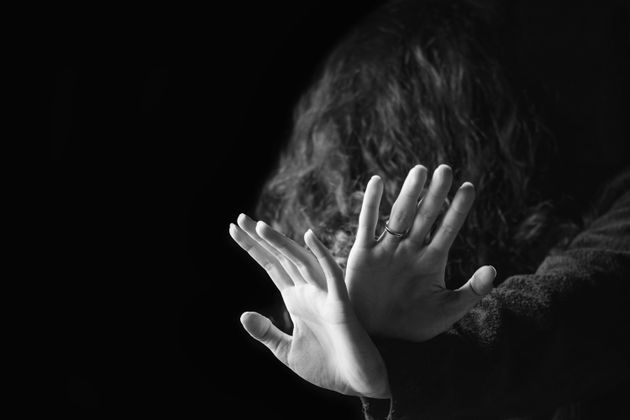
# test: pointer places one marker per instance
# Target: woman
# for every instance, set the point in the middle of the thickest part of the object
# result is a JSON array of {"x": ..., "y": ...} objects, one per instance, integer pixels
[{"x": 421, "y": 82}]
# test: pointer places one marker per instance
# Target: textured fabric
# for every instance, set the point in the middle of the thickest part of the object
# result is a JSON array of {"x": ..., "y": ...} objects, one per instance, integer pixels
[{"x": 552, "y": 344}]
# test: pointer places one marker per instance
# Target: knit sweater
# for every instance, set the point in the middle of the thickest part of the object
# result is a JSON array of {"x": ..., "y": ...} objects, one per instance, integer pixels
[{"x": 552, "y": 344}]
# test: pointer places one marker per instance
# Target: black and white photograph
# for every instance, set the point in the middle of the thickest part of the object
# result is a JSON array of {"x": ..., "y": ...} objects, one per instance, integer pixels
[{"x": 379, "y": 210}]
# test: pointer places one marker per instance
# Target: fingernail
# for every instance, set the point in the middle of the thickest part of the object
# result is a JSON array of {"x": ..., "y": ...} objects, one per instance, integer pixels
[{"x": 494, "y": 270}]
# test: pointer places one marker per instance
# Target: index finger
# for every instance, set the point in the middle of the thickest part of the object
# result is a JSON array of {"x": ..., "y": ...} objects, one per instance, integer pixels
[{"x": 368, "y": 218}]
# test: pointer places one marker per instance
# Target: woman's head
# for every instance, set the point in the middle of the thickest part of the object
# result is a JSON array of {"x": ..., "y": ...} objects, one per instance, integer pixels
[{"x": 415, "y": 82}]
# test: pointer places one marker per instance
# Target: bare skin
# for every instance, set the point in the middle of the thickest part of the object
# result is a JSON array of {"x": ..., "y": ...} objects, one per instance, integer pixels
[
  {"x": 328, "y": 347},
  {"x": 395, "y": 283}
]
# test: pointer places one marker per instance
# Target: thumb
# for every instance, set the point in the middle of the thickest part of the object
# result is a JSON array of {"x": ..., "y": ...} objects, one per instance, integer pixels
[
  {"x": 479, "y": 285},
  {"x": 263, "y": 330}
]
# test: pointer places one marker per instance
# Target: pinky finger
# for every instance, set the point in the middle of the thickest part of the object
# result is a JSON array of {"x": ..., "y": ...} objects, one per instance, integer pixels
[{"x": 368, "y": 218}]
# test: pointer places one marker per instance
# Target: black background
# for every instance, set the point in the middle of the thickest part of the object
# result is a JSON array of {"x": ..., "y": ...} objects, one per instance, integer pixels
[{"x": 165, "y": 123}]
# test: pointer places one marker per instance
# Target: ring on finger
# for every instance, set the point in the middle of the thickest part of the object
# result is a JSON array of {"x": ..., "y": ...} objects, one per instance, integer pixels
[{"x": 393, "y": 232}]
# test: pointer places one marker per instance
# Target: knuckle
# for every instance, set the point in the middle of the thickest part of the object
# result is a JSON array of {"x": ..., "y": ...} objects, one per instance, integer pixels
[
  {"x": 426, "y": 214},
  {"x": 459, "y": 212},
  {"x": 398, "y": 218},
  {"x": 299, "y": 264},
  {"x": 415, "y": 242},
  {"x": 268, "y": 266},
  {"x": 449, "y": 229}
]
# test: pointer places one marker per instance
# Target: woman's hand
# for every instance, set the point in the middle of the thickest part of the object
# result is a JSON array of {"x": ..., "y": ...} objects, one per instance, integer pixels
[
  {"x": 328, "y": 347},
  {"x": 396, "y": 283}
]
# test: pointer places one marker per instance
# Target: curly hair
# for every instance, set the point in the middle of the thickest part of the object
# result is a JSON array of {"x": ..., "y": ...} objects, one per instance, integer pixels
[{"x": 415, "y": 82}]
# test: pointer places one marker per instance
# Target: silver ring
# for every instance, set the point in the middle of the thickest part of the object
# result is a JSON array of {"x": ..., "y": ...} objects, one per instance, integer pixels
[{"x": 393, "y": 232}]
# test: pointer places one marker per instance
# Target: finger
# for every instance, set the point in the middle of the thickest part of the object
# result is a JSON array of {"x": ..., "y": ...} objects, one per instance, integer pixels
[
  {"x": 249, "y": 226},
  {"x": 368, "y": 218},
  {"x": 304, "y": 261},
  {"x": 431, "y": 205},
  {"x": 263, "y": 230},
  {"x": 479, "y": 285},
  {"x": 267, "y": 261},
  {"x": 454, "y": 218},
  {"x": 263, "y": 330},
  {"x": 404, "y": 209},
  {"x": 334, "y": 274}
]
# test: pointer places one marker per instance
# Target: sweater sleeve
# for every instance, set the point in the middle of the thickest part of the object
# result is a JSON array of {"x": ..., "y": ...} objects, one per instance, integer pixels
[{"x": 537, "y": 341}]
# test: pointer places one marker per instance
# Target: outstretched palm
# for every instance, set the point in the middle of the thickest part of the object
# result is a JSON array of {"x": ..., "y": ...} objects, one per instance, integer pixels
[
  {"x": 391, "y": 301},
  {"x": 328, "y": 347},
  {"x": 396, "y": 282},
  {"x": 318, "y": 351}
]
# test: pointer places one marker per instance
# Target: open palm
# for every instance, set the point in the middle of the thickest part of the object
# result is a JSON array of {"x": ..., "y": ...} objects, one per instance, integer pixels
[
  {"x": 391, "y": 301},
  {"x": 328, "y": 347},
  {"x": 397, "y": 282}
]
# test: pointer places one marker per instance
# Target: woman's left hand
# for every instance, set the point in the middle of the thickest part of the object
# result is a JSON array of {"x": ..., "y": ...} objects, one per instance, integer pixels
[{"x": 396, "y": 282}]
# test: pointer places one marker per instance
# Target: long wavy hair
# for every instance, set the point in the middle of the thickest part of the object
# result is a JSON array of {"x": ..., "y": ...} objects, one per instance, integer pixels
[{"x": 415, "y": 82}]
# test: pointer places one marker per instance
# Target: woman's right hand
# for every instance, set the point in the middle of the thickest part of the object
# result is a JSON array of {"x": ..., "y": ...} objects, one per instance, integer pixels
[
  {"x": 396, "y": 282},
  {"x": 328, "y": 346}
]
